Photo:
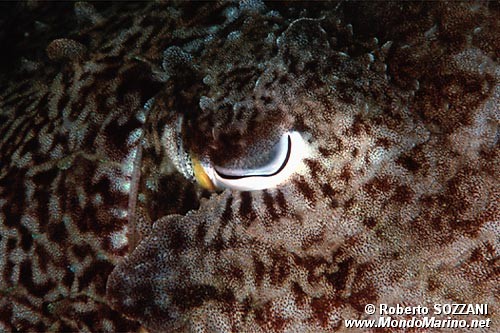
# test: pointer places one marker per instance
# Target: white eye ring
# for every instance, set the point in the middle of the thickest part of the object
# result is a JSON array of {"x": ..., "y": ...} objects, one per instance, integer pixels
[{"x": 291, "y": 149}]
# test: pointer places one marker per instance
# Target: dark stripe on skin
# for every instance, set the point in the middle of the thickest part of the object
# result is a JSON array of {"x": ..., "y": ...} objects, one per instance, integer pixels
[
  {"x": 246, "y": 208},
  {"x": 330, "y": 193},
  {"x": 315, "y": 167},
  {"x": 289, "y": 149},
  {"x": 228, "y": 212},
  {"x": 280, "y": 199},
  {"x": 306, "y": 190},
  {"x": 269, "y": 202},
  {"x": 26, "y": 279}
]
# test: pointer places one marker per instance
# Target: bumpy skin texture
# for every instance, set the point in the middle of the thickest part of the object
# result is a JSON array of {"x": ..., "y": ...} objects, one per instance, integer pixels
[{"x": 398, "y": 202}]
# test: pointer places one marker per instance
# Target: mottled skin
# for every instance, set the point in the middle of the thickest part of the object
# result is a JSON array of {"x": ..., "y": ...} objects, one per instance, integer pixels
[
  {"x": 69, "y": 124},
  {"x": 398, "y": 201}
]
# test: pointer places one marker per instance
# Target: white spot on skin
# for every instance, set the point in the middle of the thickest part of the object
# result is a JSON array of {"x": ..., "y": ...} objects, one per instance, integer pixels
[
  {"x": 128, "y": 162},
  {"x": 270, "y": 38},
  {"x": 377, "y": 155},
  {"x": 56, "y": 152},
  {"x": 108, "y": 325},
  {"x": 123, "y": 185},
  {"x": 29, "y": 221},
  {"x": 141, "y": 114},
  {"x": 120, "y": 213},
  {"x": 234, "y": 35},
  {"x": 134, "y": 136},
  {"x": 119, "y": 238},
  {"x": 151, "y": 184},
  {"x": 97, "y": 199},
  {"x": 386, "y": 47},
  {"x": 208, "y": 80},
  {"x": 231, "y": 14},
  {"x": 431, "y": 33},
  {"x": 252, "y": 6},
  {"x": 67, "y": 220},
  {"x": 343, "y": 54},
  {"x": 206, "y": 103}
]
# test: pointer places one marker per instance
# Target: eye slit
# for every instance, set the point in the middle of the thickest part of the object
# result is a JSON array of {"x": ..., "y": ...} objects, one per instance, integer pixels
[
  {"x": 284, "y": 160},
  {"x": 269, "y": 165}
]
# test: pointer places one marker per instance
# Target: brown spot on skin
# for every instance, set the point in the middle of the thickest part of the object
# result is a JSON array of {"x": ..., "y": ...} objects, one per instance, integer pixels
[
  {"x": 44, "y": 257},
  {"x": 340, "y": 276},
  {"x": 195, "y": 296},
  {"x": 82, "y": 251},
  {"x": 7, "y": 272},
  {"x": 360, "y": 298},
  {"x": 178, "y": 239},
  {"x": 69, "y": 278},
  {"x": 57, "y": 232},
  {"x": 322, "y": 308},
  {"x": 325, "y": 152},
  {"x": 65, "y": 49},
  {"x": 262, "y": 315},
  {"x": 26, "y": 239},
  {"x": 11, "y": 244},
  {"x": 329, "y": 192},
  {"x": 349, "y": 203},
  {"x": 260, "y": 270},
  {"x": 403, "y": 194},
  {"x": 299, "y": 294},
  {"x": 370, "y": 222},
  {"x": 409, "y": 163},
  {"x": 378, "y": 185},
  {"x": 346, "y": 173},
  {"x": 476, "y": 255},
  {"x": 235, "y": 273},
  {"x": 311, "y": 240},
  {"x": 433, "y": 284},
  {"x": 384, "y": 143},
  {"x": 6, "y": 313},
  {"x": 96, "y": 274},
  {"x": 359, "y": 126},
  {"x": 280, "y": 270}
]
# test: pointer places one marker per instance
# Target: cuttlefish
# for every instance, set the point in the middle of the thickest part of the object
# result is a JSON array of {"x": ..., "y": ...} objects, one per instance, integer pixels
[{"x": 250, "y": 167}]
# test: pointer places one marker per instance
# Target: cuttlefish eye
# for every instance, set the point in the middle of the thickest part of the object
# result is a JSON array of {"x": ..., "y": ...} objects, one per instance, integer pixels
[{"x": 284, "y": 160}]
